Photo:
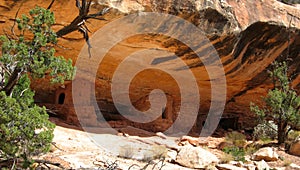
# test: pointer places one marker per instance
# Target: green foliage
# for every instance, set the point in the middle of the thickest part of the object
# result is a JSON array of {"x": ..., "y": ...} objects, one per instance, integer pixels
[
  {"x": 281, "y": 103},
  {"x": 236, "y": 149},
  {"x": 22, "y": 92},
  {"x": 35, "y": 55},
  {"x": 237, "y": 153},
  {"x": 25, "y": 130}
]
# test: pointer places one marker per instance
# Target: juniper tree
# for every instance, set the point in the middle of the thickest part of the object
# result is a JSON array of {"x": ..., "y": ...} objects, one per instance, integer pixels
[
  {"x": 29, "y": 53},
  {"x": 282, "y": 103}
]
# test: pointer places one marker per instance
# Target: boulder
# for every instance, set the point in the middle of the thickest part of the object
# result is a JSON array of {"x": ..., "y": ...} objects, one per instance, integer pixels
[
  {"x": 250, "y": 167},
  {"x": 229, "y": 167},
  {"x": 237, "y": 163},
  {"x": 185, "y": 140},
  {"x": 195, "y": 157},
  {"x": 161, "y": 135},
  {"x": 295, "y": 147},
  {"x": 171, "y": 156},
  {"x": 294, "y": 166},
  {"x": 262, "y": 165},
  {"x": 266, "y": 154}
]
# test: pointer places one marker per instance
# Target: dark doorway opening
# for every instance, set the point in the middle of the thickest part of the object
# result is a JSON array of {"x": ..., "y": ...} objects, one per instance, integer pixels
[
  {"x": 61, "y": 98},
  {"x": 164, "y": 114}
]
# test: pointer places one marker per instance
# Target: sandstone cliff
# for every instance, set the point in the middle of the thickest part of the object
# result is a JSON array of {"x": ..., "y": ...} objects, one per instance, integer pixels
[{"x": 247, "y": 35}]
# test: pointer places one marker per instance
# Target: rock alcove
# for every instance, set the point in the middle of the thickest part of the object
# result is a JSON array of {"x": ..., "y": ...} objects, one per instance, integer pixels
[{"x": 248, "y": 36}]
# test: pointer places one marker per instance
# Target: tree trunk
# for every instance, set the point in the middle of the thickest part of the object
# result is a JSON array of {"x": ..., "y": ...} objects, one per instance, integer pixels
[
  {"x": 73, "y": 26},
  {"x": 12, "y": 81},
  {"x": 281, "y": 133}
]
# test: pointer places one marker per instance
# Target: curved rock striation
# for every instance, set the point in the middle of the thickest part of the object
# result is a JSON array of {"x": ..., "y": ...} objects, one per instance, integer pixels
[{"x": 247, "y": 35}]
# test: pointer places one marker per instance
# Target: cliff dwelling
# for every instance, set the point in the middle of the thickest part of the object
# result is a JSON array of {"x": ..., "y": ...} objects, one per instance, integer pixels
[{"x": 246, "y": 45}]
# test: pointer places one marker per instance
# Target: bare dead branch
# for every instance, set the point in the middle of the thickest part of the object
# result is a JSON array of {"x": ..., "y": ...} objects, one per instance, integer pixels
[
  {"x": 78, "y": 4},
  {"x": 78, "y": 24},
  {"x": 54, "y": 144},
  {"x": 87, "y": 40},
  {"x": 16, "y": 15},
  {"x": 45, "y": 162},
  {"x": 51, "y": 4},
  {"x": 133, "y": 165}
]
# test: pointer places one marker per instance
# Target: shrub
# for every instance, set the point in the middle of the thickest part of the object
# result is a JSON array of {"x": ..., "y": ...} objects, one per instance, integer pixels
[
  {"x": 236, "y": 138},
  {"x": 265, "y": 131},
  {"x": 287, "y": 162},
  {"x": 236, "y": 150},
  {"x": 237, "y": 153},
  {"x": 293, "y": 135},
  {"x": 226, "y": 157},
  {"x": 126, "y": 151},
  {"x": 159, "y": 151},
  {"x": 250, "y": 149},
  {"x": 156, "y": 152}
]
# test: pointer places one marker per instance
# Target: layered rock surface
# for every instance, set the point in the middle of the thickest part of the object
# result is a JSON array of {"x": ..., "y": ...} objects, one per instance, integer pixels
[{"x": 247, "y": 35}]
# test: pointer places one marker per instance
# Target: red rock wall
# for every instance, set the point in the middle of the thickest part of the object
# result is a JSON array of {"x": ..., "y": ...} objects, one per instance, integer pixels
[{"x": 248, "y": 36}]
